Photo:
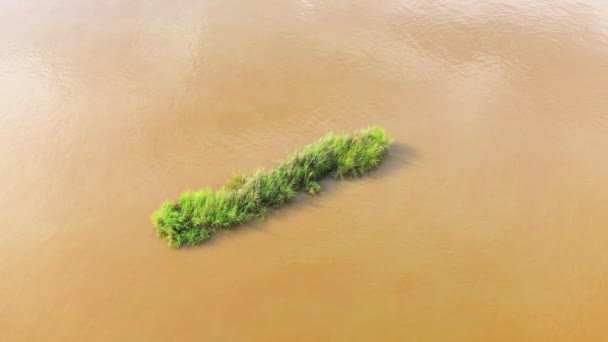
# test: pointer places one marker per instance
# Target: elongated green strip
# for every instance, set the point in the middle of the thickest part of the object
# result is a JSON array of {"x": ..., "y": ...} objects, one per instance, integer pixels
[{"x": 197, "y": 215}]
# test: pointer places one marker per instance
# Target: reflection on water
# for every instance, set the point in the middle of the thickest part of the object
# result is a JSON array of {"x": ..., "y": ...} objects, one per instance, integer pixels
[{"x": 488, "y": 220}]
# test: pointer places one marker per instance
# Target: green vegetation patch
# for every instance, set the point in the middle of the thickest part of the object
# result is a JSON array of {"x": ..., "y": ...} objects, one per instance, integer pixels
[{"x": 197, "y": 215}]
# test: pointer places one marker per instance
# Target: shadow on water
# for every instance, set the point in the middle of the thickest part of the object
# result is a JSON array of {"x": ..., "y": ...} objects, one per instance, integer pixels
[{"x": 399, "y": 156}]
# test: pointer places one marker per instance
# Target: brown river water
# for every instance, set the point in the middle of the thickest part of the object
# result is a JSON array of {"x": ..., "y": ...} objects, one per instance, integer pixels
[{"x": 488, "y": 221}]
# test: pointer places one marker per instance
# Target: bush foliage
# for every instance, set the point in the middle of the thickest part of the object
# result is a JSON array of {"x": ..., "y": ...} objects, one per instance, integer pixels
[{"x": 197, "y": 215}]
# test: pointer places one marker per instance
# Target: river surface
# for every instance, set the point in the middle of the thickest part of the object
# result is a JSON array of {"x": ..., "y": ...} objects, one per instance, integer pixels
[{"x": 488, "y": 221}]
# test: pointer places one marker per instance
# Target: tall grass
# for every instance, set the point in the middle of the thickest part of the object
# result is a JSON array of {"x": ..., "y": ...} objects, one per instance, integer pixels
[{"x": 197, "y": 215}]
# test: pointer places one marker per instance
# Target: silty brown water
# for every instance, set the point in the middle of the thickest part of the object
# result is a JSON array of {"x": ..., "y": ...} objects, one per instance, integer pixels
[{"x": 487, "y": 223}]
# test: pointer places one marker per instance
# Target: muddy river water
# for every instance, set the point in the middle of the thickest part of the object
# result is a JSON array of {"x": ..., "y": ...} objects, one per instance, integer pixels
[{"x": 488, "y": 222}]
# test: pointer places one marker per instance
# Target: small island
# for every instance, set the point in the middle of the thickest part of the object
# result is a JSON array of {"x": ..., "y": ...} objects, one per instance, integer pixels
[{"x": 193, "y": 218}]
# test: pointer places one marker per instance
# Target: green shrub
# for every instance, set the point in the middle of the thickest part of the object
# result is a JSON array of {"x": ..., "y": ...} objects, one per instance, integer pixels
[{"x": 197, "y": 215}]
